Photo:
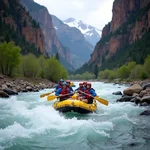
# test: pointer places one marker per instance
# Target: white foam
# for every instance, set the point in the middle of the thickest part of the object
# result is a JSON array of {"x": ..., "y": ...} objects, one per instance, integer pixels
[{"x": 13, "y": 131}]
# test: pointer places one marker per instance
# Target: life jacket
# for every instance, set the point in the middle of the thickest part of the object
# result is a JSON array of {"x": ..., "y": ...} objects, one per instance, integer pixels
[
  {"x": 87, "y": 91},
  {"x": 81, "y": 90},
  {"x": 64, "y": 92}
]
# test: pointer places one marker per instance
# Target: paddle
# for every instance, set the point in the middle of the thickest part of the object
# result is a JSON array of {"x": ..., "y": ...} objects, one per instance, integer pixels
[
  {"x": 46, "y": 94},
  {"x": 101, "y": 100},
  {"x": 52, "y": 97},
  {"x": 74, "y": 96}
]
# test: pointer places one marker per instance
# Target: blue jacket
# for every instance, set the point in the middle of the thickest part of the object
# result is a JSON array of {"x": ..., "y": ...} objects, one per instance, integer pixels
[
  {"x": 91, "y": 92},
  {"x": 57, "y": 86}
]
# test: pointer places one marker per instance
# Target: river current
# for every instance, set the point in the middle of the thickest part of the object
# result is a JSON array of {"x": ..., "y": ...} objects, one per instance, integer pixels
[{"x": 28, "y": 122}]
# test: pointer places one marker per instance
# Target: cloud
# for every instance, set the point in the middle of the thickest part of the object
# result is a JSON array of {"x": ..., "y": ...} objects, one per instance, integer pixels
[{"x": 93, "y": 12}]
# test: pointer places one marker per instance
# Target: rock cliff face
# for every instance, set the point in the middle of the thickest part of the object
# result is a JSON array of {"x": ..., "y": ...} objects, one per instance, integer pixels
[
  {"x": 130, "y": 21},
  {"x": 41, "y": 15},
  {"x": 34, "y": 36},
  {"x": 15, "y": 17}
]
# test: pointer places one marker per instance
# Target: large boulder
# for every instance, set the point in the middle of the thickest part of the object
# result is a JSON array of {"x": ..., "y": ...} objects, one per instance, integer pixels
[
  {"x": 10, "y": 91},
  {"x": 136, "y": 88},
  {"x": 3, "y": 94}
]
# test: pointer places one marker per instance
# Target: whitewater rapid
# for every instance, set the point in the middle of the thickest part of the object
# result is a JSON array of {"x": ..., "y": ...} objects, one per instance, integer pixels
[{"x": 30, "y": 122}]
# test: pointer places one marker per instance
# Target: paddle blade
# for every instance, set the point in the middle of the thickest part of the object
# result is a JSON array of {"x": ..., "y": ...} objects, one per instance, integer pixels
[
  {"x": 43, "y": 95},
  {"x": 101, "y": 100},
  {"x": 51, "y": 97},
  {"x": 74, "y": 96}
]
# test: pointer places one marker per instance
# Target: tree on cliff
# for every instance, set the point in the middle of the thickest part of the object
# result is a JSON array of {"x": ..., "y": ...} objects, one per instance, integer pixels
[{"x": 9, "y": 58}]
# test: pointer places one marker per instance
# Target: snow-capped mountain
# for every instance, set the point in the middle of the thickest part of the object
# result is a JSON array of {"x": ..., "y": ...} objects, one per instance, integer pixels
[{"x": 91, "y": 33}]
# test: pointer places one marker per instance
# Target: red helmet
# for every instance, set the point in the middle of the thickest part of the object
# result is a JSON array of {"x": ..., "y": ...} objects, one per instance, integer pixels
[
  {"x": 80, "y": 83},
  {"x": 84, "y": 82},
  {"x": 88, "y": 83}
]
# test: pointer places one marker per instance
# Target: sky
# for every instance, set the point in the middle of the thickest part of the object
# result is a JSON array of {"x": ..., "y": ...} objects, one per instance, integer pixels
[{"x": 93, "y": 12}]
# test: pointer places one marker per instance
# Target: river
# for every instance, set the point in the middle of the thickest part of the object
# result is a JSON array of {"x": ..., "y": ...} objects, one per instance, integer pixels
[{"x": 28, "y": 122}]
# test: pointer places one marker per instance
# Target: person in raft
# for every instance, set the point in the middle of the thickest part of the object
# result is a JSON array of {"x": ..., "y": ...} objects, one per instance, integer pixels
[
  {"x": 68, "y": 85},
  {"x": 64, "y": 92},
  {"x": 80, "y": 90},
  {"x": 89, "y": 93},
  {"x": 84, "y": 84},
  {"x": 59, "y": 85}
]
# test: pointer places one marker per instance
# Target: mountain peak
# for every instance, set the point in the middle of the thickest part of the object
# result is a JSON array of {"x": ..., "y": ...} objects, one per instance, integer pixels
[
  {"x": 92, "y": 34},
  {"x": 69, "y": 20}
]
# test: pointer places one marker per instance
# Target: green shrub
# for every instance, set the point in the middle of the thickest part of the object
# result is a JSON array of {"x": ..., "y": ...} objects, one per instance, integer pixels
[
  {"x": 9, "y": 58},
  {"x": 143, "y": 75}
]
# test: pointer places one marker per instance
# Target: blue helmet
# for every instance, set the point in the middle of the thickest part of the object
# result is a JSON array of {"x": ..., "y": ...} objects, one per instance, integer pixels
[{"x": 64, "y": 83}]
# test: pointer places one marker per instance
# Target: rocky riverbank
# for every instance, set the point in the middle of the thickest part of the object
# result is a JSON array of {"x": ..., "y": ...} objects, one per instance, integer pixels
[
  {"x": 138, "y": 93},
  {"x": 11, "y": 86}
]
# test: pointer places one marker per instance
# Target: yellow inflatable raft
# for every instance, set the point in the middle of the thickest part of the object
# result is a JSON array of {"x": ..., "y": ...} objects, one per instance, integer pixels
[{"x": 73, "y": 105}]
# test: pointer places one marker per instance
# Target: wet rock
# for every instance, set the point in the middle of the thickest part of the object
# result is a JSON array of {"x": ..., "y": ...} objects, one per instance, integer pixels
[
  {"x": 136, "y": 88},
  {"x": 146, "y": 85},
  {"x": 137, "y": 100},
  {"x": 135, "y": 94},
  {"x": 125, "y": 99},
  {"x": 10, "y": 91},
  {"x": 142, "y": 93},
  {"x": 4, "y": 86},
  {"x": 145, "y": 99},
  {"x": 9, "y": 84},
  {"x": 3, "y": 94},
  {"x": 144, "y": 104},
  {"x": 117, "y": 93},
  {"x": 29, "y": 88},
  {"x": 24, "y": 90},
  {"x": 35, "y": 90},
  {"x": 146, "y": 112}
]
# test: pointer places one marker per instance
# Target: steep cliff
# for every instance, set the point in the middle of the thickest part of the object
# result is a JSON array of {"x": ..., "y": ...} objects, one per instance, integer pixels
[
  {"x": 16, "y": 24},
  {"x": 52, "y": 45},
  {"x": 71, "y": 37},
  {"x": 129, "y": 26}
]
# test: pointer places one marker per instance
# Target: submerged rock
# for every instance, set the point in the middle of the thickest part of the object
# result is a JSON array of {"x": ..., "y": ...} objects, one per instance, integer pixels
[
  {"x": 125, "y": 99},
  {"x": 117, "y": 93},
  {"x": 146, "y": 112}
]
